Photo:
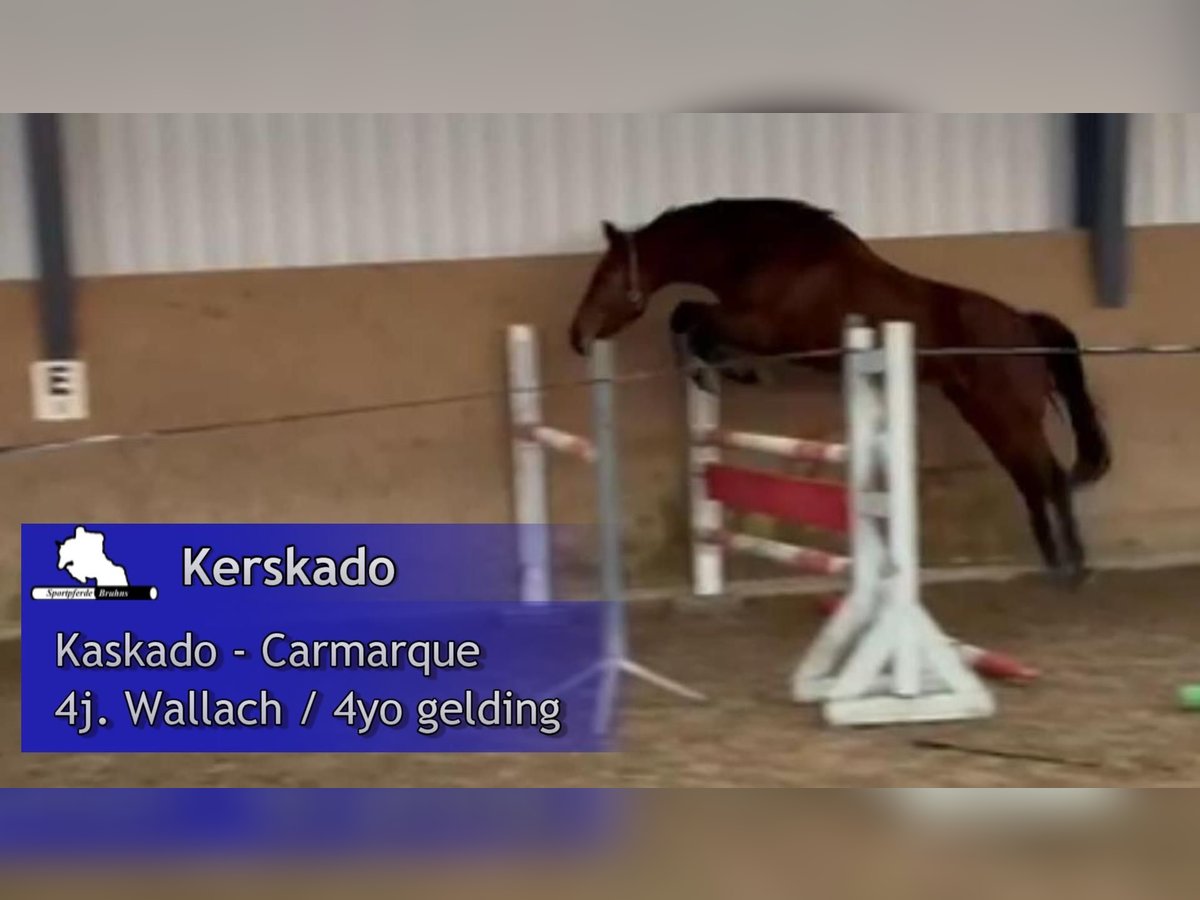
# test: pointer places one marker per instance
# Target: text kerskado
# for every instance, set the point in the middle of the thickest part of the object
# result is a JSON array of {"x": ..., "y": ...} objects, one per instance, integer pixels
[{"x": 289, "y": 570}]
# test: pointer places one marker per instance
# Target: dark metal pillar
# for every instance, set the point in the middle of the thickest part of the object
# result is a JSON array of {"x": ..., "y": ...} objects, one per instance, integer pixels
[
  {"x": 1101, "y": 174},
  {"x": 57, "y": 285}
]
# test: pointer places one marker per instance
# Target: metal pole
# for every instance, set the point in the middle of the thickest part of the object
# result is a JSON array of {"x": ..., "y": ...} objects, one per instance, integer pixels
[
  {"x": 608, "y": 496},
  {"x": 57, "y": 286},
  {"x": 1110, "y": 234},
  {"x": 529, "y": 466},
  {"x": 608, "y": 503},
  {"x": 615, "y": 659},
  {"x": 1101, "y": 177}
]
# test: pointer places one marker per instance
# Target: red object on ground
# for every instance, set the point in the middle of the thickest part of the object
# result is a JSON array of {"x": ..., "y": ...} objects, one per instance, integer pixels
[
  {"x": 991, "y": 664},
  {"x": 987, "y": 663}
]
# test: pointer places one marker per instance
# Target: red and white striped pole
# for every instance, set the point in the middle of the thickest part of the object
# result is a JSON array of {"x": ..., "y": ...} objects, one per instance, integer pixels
[
  {"x": 804, "y": 559},
  {"x": 776, "y": 445},
  {"x": 562, "y": 442}
]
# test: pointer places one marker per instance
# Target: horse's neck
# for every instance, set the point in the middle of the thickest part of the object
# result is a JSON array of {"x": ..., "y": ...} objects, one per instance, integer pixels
[{"x": 673, "y": 257}]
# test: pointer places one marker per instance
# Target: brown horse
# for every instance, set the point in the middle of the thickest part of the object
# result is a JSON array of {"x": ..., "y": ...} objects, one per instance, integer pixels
[{"x": 786, "y": 276}]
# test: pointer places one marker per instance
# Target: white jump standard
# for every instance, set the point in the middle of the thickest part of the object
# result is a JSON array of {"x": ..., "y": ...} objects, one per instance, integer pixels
[
  {"x": 532, "y": 438},
  {"x": 879, "y": 658}
]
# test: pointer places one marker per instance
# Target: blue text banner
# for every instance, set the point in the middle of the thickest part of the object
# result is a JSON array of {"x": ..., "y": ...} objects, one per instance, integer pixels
[{"x": 297, "y": 638}]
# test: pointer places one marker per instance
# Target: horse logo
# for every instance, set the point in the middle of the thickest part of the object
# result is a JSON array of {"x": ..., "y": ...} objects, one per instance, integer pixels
[{"x": 82, "y": 557}]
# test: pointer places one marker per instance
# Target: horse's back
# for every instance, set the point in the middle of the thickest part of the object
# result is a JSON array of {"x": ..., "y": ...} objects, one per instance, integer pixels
[{"x": 804, "y": 273}]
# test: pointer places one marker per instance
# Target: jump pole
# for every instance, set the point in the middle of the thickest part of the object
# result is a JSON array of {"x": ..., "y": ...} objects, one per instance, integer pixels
[
  {"x": 879, "y": 658},
  {"x": 530, "y": 497},
  {"x": 706, "y": 514}
]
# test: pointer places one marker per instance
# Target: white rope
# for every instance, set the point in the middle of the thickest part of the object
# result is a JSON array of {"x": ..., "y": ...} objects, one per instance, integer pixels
[{"x": 637, "y": 376}]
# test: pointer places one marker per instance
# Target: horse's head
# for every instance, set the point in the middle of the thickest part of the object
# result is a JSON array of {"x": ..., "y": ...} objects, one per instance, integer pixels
[
  {"x": 67, "y": 550},
  {"x": 617, "y": 294}
]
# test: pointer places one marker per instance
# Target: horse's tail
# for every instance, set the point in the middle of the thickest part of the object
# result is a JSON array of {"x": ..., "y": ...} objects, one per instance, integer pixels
[{"x": 1093, "y": 455}]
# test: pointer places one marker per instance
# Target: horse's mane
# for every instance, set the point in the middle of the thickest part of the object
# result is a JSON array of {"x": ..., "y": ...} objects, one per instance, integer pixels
[{"x": 797, "y": 212}]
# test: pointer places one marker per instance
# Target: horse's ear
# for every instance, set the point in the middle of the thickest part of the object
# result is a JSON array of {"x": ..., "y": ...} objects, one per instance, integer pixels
[{"x": 612, "y": 233}]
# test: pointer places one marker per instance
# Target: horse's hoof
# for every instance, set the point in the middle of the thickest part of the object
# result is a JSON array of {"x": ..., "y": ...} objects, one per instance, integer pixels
[
  {"x": 705, "y": 380},
  {"x": 743, "y": 376},
  {"x": 1071, "y": 578}
]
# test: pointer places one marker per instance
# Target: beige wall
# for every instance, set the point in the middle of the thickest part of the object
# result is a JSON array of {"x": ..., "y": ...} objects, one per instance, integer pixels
[{"x": 186, "y": 349}]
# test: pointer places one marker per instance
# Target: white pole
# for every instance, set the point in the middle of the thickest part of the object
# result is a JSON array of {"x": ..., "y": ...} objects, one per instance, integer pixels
[
  {"x": 899, "y": 666},
  {"x": 704, "y": 417},
  {"x": 529, "y": 466},
  {"x": 863, "y": 409},
  {"x": 903, "y": 536},
  {"x": 864, "y": 413}
]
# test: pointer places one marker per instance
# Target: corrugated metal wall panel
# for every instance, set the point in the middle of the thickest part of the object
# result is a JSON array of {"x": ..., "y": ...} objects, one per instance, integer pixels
[
  {"x": 193, "y": 192},
  {"x": 1164, "y": 168},
  {"x": 16, "y": 229}
]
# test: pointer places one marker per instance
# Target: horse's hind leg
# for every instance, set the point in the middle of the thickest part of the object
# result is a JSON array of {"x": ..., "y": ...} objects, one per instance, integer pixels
[
  {"x": 1020, "y": 447},
  {"x": 1032, "y": 484},
  {"x": 1060, "y": 497},
  {"x": 1035, "y": 480},
  {"x": 1049, "y": 484}
]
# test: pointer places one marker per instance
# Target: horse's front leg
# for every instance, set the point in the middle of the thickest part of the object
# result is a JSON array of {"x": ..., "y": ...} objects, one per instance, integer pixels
[
  {"x": 686, "y": 320},
  {"x": 695, "y": 335}
]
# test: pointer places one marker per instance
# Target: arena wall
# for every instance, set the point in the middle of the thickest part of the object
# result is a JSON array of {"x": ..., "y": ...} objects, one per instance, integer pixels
[{"x": 184, "y": 350}]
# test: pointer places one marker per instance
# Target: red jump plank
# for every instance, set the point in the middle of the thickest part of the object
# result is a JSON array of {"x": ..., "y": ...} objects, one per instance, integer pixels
[{"x": 821, "y": 504}]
